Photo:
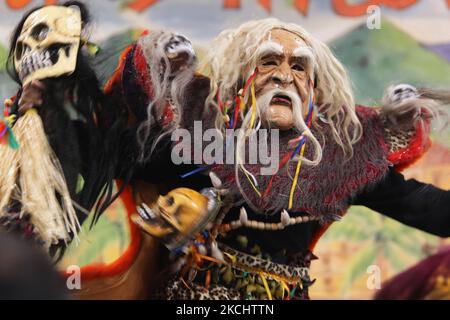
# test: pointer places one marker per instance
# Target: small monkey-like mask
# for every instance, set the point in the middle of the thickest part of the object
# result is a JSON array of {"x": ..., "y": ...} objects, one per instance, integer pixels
[
  {"x": 48, "y": 43},
  {"x": 176, "y": 217}
]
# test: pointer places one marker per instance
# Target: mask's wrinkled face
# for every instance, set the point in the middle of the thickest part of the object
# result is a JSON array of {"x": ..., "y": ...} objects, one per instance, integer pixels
[
  {"x": 174, "y": 217},
  {"x": 284, "y": 66},
  {"x": 48, "y": 43}
]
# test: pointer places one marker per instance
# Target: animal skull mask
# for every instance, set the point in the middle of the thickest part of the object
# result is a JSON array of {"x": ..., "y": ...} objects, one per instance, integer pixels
[{"x": 48, "y": 43}]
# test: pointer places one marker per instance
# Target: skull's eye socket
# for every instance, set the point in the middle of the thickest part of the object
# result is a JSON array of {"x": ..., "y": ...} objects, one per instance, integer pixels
[
  {"x": 397, "y": 91},
  {"x": 19, "y": 50},
  {"x": 170, "y": 201},
  {"x": 40, "y": 32},
  {"x": 54, "y": 51}
]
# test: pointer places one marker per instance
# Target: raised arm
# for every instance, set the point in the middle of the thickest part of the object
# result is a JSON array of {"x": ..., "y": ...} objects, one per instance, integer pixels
[{"x": 416, "y": 204}]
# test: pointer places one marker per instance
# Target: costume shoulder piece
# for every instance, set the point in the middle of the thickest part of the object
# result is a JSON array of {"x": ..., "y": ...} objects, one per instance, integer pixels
[
  {"x": 395, "y": 134},
  {"x": 324, "y": 191},
  {"x": 152, "y": 74}
]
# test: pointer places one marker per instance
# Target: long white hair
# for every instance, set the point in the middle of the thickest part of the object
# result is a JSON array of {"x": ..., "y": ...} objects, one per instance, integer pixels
[
  {"x": 232, "y": 59},
  {"x": 166, "y": 87}
]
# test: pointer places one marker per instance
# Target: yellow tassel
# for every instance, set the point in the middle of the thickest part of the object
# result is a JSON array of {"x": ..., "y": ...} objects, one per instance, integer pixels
[
  {"x": 250, "y": 180},
  {"x": 10, "y": 120},
  {"x": 92, "y": 48},
  {"x": 252, "y": 121},
  {"x": 266, "y": 286},
  {"x": 297, "y": 172},
  {"x": 285, "y": 288},
  {"x": 232, "y": 258}
]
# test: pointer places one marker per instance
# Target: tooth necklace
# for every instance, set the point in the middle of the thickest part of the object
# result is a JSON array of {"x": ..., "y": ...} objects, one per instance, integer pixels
[{"x": 285, "y": 221}]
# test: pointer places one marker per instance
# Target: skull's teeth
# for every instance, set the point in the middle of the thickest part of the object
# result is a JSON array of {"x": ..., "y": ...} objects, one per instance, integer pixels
[
  {"x": 148, "y": 211},
  {"x": 33, "y": 62},
  {"x": 145, "y": 212},
  {"x": 142, "y": 213}
]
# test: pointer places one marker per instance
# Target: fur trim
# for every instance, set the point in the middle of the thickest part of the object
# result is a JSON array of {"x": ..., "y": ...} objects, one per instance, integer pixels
[{"x": 414, "y": 147}]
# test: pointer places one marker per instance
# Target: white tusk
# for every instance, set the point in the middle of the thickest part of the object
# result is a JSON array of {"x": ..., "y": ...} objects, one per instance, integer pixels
[
  {"x": 285, "y": 218},
  {"x": 216, "y": 182},
  {"x": 215, "y": 252},
  {"x": 142, "y": 213},
  {"x": 243, "y": 217}
]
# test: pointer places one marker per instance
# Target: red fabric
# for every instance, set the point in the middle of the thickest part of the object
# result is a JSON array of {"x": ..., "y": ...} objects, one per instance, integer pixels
[
  {"x": 126, "y": 260},
  {"x": 417, "y": 147},
  {"x": 140, "y": 63},
  {"x": 317, "y": 235},
  {"x": 3, "y": 133},
  {"x": 117, "y": 75},
  {"x": 141, "y": 67},
  {"x": 168, "y": 116}
]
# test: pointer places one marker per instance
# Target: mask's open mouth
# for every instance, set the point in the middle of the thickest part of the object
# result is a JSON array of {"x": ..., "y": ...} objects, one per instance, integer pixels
[
  {"x": 156, "y": 219},
  {"x": 281, "y": 100},
  {"x": 35, "y": 61}
]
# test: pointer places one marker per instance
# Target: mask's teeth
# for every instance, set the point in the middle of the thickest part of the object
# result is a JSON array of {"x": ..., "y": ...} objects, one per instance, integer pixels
[
  {"x": 25, "y": 67},
  {"x": 39, "y": 61},
  {"x": 47, "y": 58},
  {"x": 148, "y": 210},
  {"x": 42, "y": 56},
  {"x": 29, "y": 65},
  {"x": 142, "y": 213},
  {"x": 34, "y": 62}
]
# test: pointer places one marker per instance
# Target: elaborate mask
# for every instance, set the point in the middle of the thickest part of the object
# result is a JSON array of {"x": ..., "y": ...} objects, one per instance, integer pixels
[
  {"x": 178, "y": 216},
  {"x": 285, "y": 65},
  {"x": 48, "y": 43}
]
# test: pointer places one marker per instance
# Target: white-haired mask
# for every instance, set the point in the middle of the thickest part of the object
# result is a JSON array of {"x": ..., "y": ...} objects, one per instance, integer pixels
[{"x": 284, "y": 64}]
